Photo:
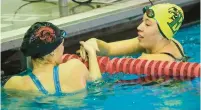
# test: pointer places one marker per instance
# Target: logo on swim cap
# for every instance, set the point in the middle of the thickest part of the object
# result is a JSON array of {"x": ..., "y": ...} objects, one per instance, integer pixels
[{"x": 176, "y": 17}]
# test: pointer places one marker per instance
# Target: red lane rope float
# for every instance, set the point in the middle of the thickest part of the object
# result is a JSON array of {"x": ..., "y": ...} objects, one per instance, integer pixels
[{"x": 140, "y": 66}]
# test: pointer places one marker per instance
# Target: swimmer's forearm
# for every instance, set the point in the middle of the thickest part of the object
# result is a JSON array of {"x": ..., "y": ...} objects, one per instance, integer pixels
[
  {"x": 103, "y": 47},
  {"x": 94, "y": 67},
  {"x": 123, "y": 47}
]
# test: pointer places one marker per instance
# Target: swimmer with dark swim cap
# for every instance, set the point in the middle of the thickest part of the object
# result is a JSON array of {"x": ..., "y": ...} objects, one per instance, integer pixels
[
  {"x": 155, "y": 36},
  {"x": 43, "y": 42}
]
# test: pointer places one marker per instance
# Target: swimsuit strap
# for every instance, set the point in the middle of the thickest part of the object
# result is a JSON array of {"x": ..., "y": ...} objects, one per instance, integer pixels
[
  {"x": 184, "y": 58},
  {"x": 169, "y": 54},
  {"x": 56, "y": 80},
  {"x": 179, "y": 48},
  {"x": 38, "y": 84}
]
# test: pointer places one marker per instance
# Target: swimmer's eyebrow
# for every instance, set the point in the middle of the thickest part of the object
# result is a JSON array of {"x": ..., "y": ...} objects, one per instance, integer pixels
[{"x": 148, "y": 21}]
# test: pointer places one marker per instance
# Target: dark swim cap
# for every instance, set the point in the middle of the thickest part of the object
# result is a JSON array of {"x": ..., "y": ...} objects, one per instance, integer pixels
[{"x": 41, "y": 39}]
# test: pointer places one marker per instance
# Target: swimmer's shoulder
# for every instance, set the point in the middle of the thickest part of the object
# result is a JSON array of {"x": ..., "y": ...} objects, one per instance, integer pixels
[
  {"x": 159, "y": 57},
  {"x": 15, "y": 82},
  {"x": 73, "y": 71},
  {"x": 179, "y": 44},
  {"x": 175, "y": 48},
  {"x": 73, "y": 64}
]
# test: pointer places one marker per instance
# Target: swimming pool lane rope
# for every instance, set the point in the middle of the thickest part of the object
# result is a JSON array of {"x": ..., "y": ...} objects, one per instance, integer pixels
[{"x": 139, "y": 66}]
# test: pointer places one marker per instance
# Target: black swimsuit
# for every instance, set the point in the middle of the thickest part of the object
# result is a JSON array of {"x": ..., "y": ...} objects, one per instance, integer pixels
[{"x": 183, "y": 59}]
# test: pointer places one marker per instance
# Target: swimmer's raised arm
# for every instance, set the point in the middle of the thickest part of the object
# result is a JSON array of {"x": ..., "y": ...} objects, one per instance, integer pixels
[
  {"x": 123, "y": 47},
  {"x": 93, "y": 63}
]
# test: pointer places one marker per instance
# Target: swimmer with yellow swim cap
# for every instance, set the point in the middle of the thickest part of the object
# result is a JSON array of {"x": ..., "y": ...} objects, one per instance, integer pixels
[{"x": 155, "y": 36}]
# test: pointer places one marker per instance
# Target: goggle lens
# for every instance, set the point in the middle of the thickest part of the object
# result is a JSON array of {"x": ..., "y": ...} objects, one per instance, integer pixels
[{"x": 149, "y": 12}]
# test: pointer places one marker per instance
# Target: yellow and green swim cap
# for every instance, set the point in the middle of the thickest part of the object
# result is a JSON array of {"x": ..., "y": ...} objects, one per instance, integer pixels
[{"x": 169, "y": 18}]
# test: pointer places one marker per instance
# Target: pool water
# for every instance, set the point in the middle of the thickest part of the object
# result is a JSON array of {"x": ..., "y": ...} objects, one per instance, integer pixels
[{"x": 123, "y": 91}]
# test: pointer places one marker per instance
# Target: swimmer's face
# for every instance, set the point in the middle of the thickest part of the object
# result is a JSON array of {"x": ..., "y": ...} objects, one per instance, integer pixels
[{"x": 148, "y": 32}]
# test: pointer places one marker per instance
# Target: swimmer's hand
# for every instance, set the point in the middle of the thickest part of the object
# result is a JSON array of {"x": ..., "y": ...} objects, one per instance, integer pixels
[
  {"x": 94, "y": 70},
  {"x": 90, "y": 46},
  {"x": 82, "y": 53},
  {"x": 93, "y": 43}
]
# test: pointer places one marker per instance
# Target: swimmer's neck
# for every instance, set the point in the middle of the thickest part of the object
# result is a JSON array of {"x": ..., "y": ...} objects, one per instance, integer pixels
[
  {"x": 159, "y": 46},
  {"x": 38, "y": 68}
]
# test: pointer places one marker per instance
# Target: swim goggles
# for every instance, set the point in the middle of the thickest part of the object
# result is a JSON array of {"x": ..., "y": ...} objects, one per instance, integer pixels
[{"x": 149, "y": 12}]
